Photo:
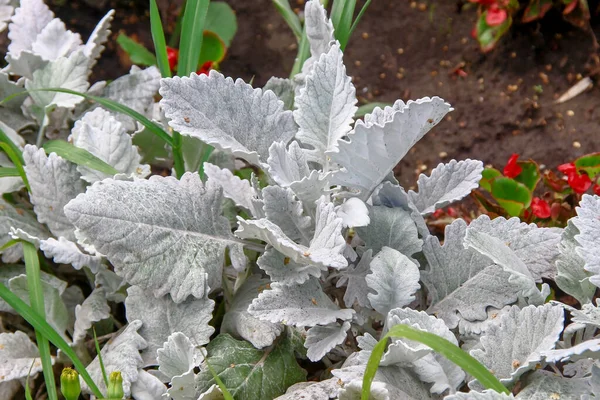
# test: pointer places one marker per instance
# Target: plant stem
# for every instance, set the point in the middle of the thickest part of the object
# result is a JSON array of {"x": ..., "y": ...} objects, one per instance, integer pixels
[{"x": 178, "y": 163}]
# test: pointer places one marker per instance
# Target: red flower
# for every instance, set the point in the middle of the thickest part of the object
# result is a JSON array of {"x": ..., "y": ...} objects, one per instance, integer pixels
[
  {"x": 172, "y": 56},
  {"x": 438, "y": 213},
  {"x": 540, "y": 208},
  {"x": 579, "y": 183},
  {"x": 205, "y": 68},
  {"x": 495, "y": 16},
  {"x": 512, "y": 169},
  {"x": 567, "y": 169},
  {"x": 596, "y": 189}
]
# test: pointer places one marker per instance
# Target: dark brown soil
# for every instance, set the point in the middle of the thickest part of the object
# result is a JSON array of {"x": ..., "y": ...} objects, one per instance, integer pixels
[{"x": 408, "y": 50}]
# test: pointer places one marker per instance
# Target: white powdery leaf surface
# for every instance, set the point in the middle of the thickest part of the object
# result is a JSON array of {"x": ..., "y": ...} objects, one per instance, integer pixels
[
  {"x": 485, "y": 395},
  {"x": 94, "y": 47},
  {"x": 54, "y": 182},
  {"x": 446, "y": 184},
  {"x": 147, "y": 387},
  {"x": 354, "y": 277},
  {"x": 178, "y": 356},
  {"x": 283, "y": 209},
  {"x": 310, "y": 188},
  {"x": 319, "y": 28},
  {"x": 19, "y": 219},
  {"x": 300, "y": 305},
  {"x": 325, "y": 249},
  {"x": 394, "y": 278},
  {"x": 588, "y": 223},
  {"x": 287, "y": 165},
  {"x": 515, "y": 346},
  {"x": 17, "y": 355},
  {"x": 55, "y": 41},
  {"x": 24, "y": 64},
  {"x": 240, "y": 323},
  {"x": 162, "y": 234},
  {"x": 372, "y": 151},
  {"x": 228, "y": 115},
  {"x": 161, "y": 317},
  {"x": 121, "y": 353},
  {"x": 536, "y": 247},
  {"x": 544, "y": 385},
  {"x": 382, "y": 115},
  {"x": 392, "y": 195},
  {"x": 66, "y": 73},
  {"x": 325, "y": 107},
  {"x": 354, "y": 213},
  {"x": 323, "y": 390},
  {"x": 6, "y": 12},
  {"x": 283, "y": 270},
  {"x": 64, "y": 251},
  {"x": 283, "y": 89},
  {"x": 103, "y": 136},
  {"x": 93, "y": 309},
  {"x": 29, "y": 20},
  {"x": 584, "y": 350},
  {"x": 321, "y": 339},
  {"x": 234, "y": 188}
]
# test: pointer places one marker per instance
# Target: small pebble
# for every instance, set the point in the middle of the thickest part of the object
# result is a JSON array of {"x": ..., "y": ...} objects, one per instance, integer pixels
[
  {"x": 413, "y": 4},
  {"x": 423, "y": 167},
  {"x": 400, "y": 75},
  {"x": 357, "y": 63},
  {"x": 570, "y": 113},
  {"x": 576, "y": 144},
  {"x": 513, "y": 55},
  {"x": 382, "y": 75},
  {"x": 422, "y": 7},
  {"x": 464, "y": 40},
  {"x": 365, "y": 35},
  {"x": 400, "y": 50},
  {"x": 544, "y": 78},
  {"x": 512, "y": 88},
  {"x": 443, "y": 154}
]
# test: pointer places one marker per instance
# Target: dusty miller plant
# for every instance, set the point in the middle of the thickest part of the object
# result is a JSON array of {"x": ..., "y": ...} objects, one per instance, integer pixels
[{"x": 304, "y": 259}]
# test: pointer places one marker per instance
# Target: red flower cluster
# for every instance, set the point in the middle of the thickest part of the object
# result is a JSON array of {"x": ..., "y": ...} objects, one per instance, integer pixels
[
  {"x": 580, "y": 183},
  {"x": 540, "y": 208},
  {"x": 173, "y": 57},
  {"x": 512, "y": 169},
  {"x": 495, "y": 13}
]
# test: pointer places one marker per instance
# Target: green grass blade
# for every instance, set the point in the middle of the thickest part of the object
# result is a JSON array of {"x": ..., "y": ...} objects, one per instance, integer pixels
[
  {"x": 359, "y": 17},
  {"x": 226, "y": 394},
  {"x": 78, "y": 156},
  {"x": 40, "y": 325},
  {"x": 27, "y": 388},
  {"x": 178, "y": 162},
  {"x": 137, "y": 52},
  {"x": 100, "y": 361},
  {"x": 10, "y": 243},
  {"x": 302, "y": 56},
  {"x": 158, "y": 37},
  {"x": 192, "y": 33},
  {"x": 5, "y": 139},
  {"x": 36, "y": 298},
  {"x": 342, "y": 13},
  {"x": 8, "y": 171},
  {"x": 16, "y": 158},
  {"x": 289, "y": 16},
  {"x": 439, "y": 345}
]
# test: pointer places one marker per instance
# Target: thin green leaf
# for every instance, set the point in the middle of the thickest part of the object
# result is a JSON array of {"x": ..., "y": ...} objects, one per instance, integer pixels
[
  {"x": 78, "y": 156},
  {"x": 136, "y": 51},
  {"x": 39, "y": 324},
  {"x": 10, "y": 243},
  {"x": 342, "y": 13},
  {"x": 178, "y": 162},
  {"x": 97, "y": 345},
  {"x": 438, "y": 344},
  {"x": 192, "y": 34},
  {"x": 158, "y": 37},
  {"x": 226, "y": 394},
  {"x": 359, "y": 17},
  {"x": 368, "y": 108},
  {"x": 5, "y": 139},
  {"x": 8, "y": 171},
  {"x": 17, "y": 160},
  {"x": 302, "y": 55},
  {"x": 27, "y": 388},
  {"x": 36, "y": 299},
  {"x": 289, "y": 16}
]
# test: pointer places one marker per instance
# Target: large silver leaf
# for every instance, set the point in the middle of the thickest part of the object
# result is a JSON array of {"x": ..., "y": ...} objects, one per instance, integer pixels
[
  {"x": 514, "y": 346},
  {"x": 283, "y": 270},
  {"x": 325, "y": 106},
  {"x": 55, "y": 41},
  {"x": 29, "y": 20},
  {"x": 300, "y": 305},
  {"x": 285, "y": 210},
  {"x": 229, "y": 115},
  {"x": 354, "y": 277},
  {"x": 64, "y": 251},
  {"x": 54, "y": 182},
  {"x": 178, "y": 355},
  {"x": 287, "y": 165},
  {"x": 394, "y": 278},
  {"x": 19, "y": 357},
  {"x": 165, "y": 235},
  {"x": 588, "y": 223},
  {"x": 372, "y": 151},
  {"x": 236, "y": 189},
  {"x": 240, "y": 323},
  {"x": 319, "y": 28},
  {"x": 446, "y": 184},
  {"x": 321, "y": 339},
  {"x": 161, "y": 317},
  {"x": 392, "y": 195}
]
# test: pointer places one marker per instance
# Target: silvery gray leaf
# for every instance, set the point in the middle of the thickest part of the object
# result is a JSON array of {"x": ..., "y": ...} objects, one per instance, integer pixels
[
  {"x": 283, "y": 209},
  {"x": 300, "y": 305},
  {"x": 6, "y": 11},
  {"x": 354, "y": 213},
  {"x": 234, "y": 188},
  {"x": 325, "y": 106},
  {"x": 55, "y": 41},
  {"x": 394, "y": 278},
  {"x": 283, "y": 270},
  {"x": 447, "y": 183},
  {"x": 24, "y": 64},
  {"x": 372, "y": 151},
  {"x": 19, "y": 357},
  {"x": 588, "y": 314},
  {"x": 147, "y": 387},
  {"x": 588, "y": 223},
  {"x": 354, "y": 277},
  {"x": 516, "y": 345},
  {"x": 183, "y": 387},
  {"x": 543, "y": 385},
  {"x": 165, "y": 235},
  {"x": 113, "y": 285},
  {"x": 64, "y": 251},
  {"x": 287, "y": 165},
  {"x": 319, "y": 28},
  {"x": 93, "y": 309},
  {"x": 161, "y": 317},
  {"x": 321, "y": 339},
  {"x": 240, "y": 323},
  {"x": 29, "y": 20},
  {"x": 95, "y": 44},
  {"x": 228, "y": 115},
  {"x": 587, "y": 349},
  {"x": 485, "y": 395},
  {"x": 310, "y": 188},
  {"x": 178, "y": 356},
  {"x": 380, "y": 115},
  {"x": 391, "y": 195},
  {"x": 18, "y": 218},
  {"x": 283, "y": 89},
  {"x": 7, "y": 272},
  {"x": 323, "y": 390}
]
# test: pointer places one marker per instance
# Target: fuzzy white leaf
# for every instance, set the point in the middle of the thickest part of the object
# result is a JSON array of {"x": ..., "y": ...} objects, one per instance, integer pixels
[
  {"x": 13, "y": 217},
  {"x": 485, "y": 395},
  {"x": 319, "y": 28},
  {"x": 514, "y": 346},
  {"x": 8, "y": 272},
  {"x": 544, "y": 385},
  {"x": 24, "y": 64},
  {"x": 229, "y": 115},
  {"x": 287, "y": 165},
  {"x": 372, "y": 152},
  {"x": 54, "y": 182},
  {"x": 29, "y": 20},
  {"x": 325, "y": 106},
  {"x": 240, "y": 323},
  {"x": 283, "y": 270},
  {"x": 183, "y": 387},
  {"x": 121, "y": 353},
  {"x": 284, "y": 210},
  {"x": 321, "y": 339},
  {"x": 93, "y": 309},
  {"x": 6, "y": 11},
  {"x": 323, "y": 390},
  {"x": 283, "y": 89},
  {"x": 310, "y": 188},
  {"x": 147, "y": 387},
  {"x": 162, "y": 234},
  {"x": 588, "y": 223},
  {"x": 178, "y": 356},
  {"x": 103, "y": 136},
  {"x": 446, "y": 184},
  {"x": 17, "y": 355},
  {"x": 213, "y": 393},
  {"x": 392, "y": 195},
  {"x": 583, "y": 350},
  {"x": 113, "y": 285},
  {"x": 380, "y": 115},
  {"x": 354, "y": 213},
  {"x": 394, "y": 278},
  {"x": 354, "y": 277},
  {"x": 66, "y": 73},
  {"x": 588, "y": 315},
  {"x": 95, "y": 44},
  {"x": 161, "y": 317},
  {"x": 64, "y": 251},
  {"x": 9, "y": 88},
  {"x": 234, "y": 188},
  {"x": 55, "y": 41},
  {"x": 301, "y": 305}
]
